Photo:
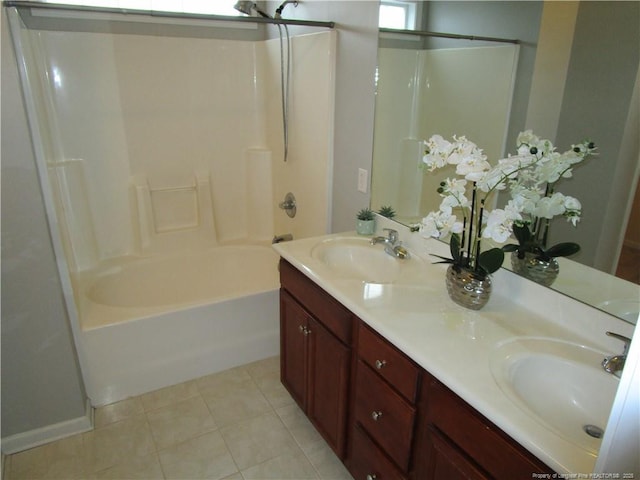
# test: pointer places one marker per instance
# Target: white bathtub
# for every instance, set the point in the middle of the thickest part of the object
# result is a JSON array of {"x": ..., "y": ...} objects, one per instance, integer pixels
[{"x": 152, "y": 322}]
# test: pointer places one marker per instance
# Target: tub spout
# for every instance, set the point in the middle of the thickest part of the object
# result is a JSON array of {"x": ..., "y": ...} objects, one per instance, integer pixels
[{"x": 282, "y": 238}]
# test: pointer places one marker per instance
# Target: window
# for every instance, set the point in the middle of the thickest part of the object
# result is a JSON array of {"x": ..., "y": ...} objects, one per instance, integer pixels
[
  {"x": 398, "y": 14},
  {"x": 209, "y": 7}
]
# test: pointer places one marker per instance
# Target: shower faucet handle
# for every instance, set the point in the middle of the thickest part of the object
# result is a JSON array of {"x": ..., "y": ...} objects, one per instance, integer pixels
[{"x": 289, "y": 205}]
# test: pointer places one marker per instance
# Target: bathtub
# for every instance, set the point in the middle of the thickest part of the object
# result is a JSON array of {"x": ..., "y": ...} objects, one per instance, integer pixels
[{"x": 152, "y": 322}]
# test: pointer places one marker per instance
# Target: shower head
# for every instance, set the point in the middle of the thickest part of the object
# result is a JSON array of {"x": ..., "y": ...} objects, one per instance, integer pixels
[
  {"x": 246, "y": 6},
  {"x": 284, "y": 4}
]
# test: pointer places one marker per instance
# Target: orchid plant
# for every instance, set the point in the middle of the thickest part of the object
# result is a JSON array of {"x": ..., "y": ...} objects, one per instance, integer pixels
[
  {"x": 531, "y": 177},
  {"x": 533, "y": 192}
]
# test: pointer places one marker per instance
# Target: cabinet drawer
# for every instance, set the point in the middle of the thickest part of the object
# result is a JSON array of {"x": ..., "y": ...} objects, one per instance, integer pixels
[
  {"x": 384, "y": 415},
  {"x": 368, "y": 462},
  {"x": 489, "y": 447},
  {"x": 329, "y": 312},
  {"x": 389, "y": 362}
]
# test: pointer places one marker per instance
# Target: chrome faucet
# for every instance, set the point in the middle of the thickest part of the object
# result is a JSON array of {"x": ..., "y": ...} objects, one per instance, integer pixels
[
  {"x": 392, "y": 245},
  {"x": 615, "y": 363}
]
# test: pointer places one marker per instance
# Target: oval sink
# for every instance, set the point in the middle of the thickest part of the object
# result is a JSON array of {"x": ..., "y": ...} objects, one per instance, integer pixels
[
  {"x": 356, "y": 258},
  {"x": 561, "y": 384},
  {"x": 628, "y": 310}
]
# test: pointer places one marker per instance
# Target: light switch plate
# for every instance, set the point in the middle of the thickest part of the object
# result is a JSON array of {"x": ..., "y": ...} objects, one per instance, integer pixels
[{"x": 363, "y": 180}]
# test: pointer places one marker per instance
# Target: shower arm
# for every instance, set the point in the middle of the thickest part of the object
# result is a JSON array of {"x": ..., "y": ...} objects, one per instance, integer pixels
[{"x": 162, "y": 14}]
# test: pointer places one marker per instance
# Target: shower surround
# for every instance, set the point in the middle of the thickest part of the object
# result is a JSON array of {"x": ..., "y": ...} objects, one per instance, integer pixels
[
  {"x": 161, "y": 161},
  {"x": 420, "y": 93}
]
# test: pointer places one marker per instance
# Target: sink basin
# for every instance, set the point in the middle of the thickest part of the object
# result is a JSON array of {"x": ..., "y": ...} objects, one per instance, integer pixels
[
  {"x": 355, "y": 258},
  {"x": 561, "y": 384},
  {"x": 628, "y": 310}
]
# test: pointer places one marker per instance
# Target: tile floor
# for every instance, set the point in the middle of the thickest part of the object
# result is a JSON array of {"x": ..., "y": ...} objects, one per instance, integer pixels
[{"x": 239, "y": 424}]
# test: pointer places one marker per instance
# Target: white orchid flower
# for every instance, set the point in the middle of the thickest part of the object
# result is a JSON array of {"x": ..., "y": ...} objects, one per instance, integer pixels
[
  {"x": 439, "y": 224},
  {"x": 473, "y": 168},
  {"x": 454, "y": 186},
  {"x": 549, "y": 207},
  {"x": 437, "y": 151},
  {"x": 498, "y": 226},
  {"x": 573, "y": 209}
]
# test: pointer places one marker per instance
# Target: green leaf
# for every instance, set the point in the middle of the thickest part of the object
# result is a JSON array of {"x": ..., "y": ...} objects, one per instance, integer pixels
[
  {"x": 365, "y": 214},
  {"x": 522, "y": 233},
  {"x": 444, "y": 260},
  {"x": 491, "y": 260},
  {"x": 454, "y": 246},
  {"x": 562, "y": 249}
]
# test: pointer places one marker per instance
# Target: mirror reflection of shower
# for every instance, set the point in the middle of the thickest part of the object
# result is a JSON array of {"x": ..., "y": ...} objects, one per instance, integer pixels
[
  {"x": 247, "y": 7},
  {"x": 422, "y": 92}
]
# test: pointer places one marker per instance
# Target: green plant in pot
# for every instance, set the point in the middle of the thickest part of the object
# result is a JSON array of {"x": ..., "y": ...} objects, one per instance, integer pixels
[
  {"x": 365, "y": 222},
  {"x": 535, "y": 190},
  {"x": 387, "y": 211}
]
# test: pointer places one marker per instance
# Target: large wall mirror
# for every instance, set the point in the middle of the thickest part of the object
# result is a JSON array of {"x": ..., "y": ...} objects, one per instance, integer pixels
[{"x": 573, "y": 74}]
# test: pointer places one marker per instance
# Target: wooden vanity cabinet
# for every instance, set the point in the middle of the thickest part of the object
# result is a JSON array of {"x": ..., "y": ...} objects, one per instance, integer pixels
[
  {"x": 403, "y": 424},
  {"x": 315, "y": 354},
  {"x": 455, "y": 442}
]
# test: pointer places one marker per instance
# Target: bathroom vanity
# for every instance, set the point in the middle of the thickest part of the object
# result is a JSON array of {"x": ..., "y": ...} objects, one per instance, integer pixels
[
  {"x": 379, "y": 411},
  {"x": 404, "y": 384}
]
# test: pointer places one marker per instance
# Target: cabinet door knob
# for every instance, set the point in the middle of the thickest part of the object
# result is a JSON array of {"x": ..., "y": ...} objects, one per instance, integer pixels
[
  {"x": 376, "y": 415},
  {"x": 371, "y": 476},
  {"x": 380, "y": 364},
  {"x": 304, "y": 330}
]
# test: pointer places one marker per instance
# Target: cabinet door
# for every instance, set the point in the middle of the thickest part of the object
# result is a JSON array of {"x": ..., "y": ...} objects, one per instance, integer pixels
[
  {"x": 329, "y": 366},
  {"x": 446, "y": 462},
  {"x": 293, "y": 354}
]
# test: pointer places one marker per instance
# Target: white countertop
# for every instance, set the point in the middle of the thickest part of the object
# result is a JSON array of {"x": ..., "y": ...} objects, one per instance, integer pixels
[{"x": 455, "y": 344}]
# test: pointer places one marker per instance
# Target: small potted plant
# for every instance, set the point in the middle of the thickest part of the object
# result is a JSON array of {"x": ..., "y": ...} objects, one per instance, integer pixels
[
  {"x": 387, "y": 211},
  {"x": 366, "y": 222}
]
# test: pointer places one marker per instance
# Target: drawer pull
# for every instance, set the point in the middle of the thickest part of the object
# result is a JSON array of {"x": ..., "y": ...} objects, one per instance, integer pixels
[
  {"x": 380, "y": 364},
  {"x": 371, "y": 476},
  {"x": 376, "y": 415},
  {"x": 304, "y": 330}
]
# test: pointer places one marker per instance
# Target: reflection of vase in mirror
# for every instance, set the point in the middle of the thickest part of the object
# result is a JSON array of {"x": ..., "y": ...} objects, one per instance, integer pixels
[{"x": 540, "y": 271}]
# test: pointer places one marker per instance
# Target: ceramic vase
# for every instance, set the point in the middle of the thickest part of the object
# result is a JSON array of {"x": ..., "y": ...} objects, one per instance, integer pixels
[
  {"x": 466, "y": 288},
  {"x": 540, "y": 271},
  {"x": 365, "y": 227}
]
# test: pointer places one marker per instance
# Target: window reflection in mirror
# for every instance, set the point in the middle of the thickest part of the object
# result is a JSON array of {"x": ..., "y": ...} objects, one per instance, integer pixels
[{"x": 399, "y": 14}]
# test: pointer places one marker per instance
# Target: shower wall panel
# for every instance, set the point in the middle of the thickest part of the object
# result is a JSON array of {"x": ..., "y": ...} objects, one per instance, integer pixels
[
  {"x": 307, "y": 173},
  {"x": 464, "y": 91},
  {"x": 167, "y": 108}
]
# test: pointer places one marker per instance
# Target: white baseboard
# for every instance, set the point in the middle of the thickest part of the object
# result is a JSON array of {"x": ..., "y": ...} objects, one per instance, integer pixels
[{"x": 40, "y": 436}]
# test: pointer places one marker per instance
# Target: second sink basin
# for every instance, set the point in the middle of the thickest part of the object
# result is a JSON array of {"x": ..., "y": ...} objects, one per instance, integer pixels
[
  {"x": 561, "y": 384},
  {"x": 355, "y": 258}
]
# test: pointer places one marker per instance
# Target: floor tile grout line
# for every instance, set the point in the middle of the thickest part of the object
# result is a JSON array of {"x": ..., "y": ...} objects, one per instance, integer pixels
[{"x": 255, "y": 372}]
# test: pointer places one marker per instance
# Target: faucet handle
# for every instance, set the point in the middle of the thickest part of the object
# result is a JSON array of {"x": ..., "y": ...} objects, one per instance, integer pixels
[
  {"x": 626, "y": 340},
  {"x": 392, "y": 234}
]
